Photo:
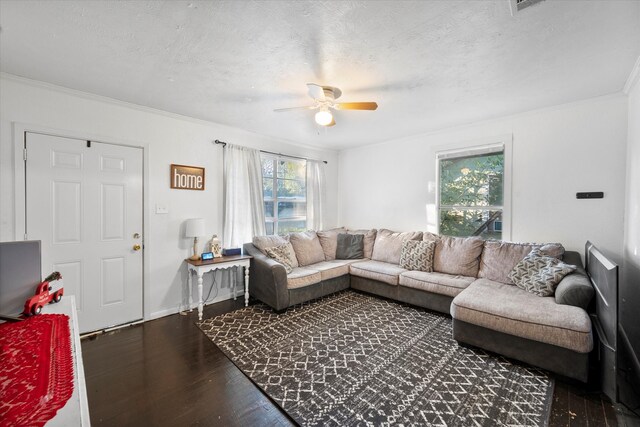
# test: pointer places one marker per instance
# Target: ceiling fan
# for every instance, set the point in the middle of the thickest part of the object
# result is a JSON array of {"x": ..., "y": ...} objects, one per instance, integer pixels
[{"x": 324, "y": 98}]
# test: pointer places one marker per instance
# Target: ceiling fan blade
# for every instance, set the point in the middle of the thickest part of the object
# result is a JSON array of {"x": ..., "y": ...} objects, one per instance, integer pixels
[
  {"x": 316, "y": 91},
  {"x": 355, "y": 106},
  {"x": 335, "y": 92},
  {"x": 309, "y": 107}
]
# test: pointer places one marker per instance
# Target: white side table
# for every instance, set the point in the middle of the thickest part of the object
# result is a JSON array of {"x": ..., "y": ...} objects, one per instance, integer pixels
[{"x": 220, "y": 263}]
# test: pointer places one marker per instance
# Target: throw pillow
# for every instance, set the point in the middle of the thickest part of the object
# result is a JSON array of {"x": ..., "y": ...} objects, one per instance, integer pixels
[
  {"x": 307, "y": 247},
  {"x": 388, "y": 245},
  {"x": 539, "y": 274},
  {"x": 263, "y": 242},
  {"x": 417, "y": 255},
  {"x": 350, "y": 246},
  {"x": 458, "y": 255},
  {"x": 282, "y": 254},
  {"x": 369, "y": 240},
  {"x": 499, "y": 257},
  {"x": 329, "y": 240}
]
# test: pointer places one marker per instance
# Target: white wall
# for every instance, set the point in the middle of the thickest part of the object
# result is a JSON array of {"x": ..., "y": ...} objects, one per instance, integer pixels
[
  {"x": 556, "y": 153},
  {"x": 168, "y": 139}
]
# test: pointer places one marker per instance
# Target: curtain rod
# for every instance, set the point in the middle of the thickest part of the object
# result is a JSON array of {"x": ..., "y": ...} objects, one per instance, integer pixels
[{"x": 224, "y": 144}]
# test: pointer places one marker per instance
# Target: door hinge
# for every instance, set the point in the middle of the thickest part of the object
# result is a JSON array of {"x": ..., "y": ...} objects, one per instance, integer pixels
[{"x": 24, "y": 154}]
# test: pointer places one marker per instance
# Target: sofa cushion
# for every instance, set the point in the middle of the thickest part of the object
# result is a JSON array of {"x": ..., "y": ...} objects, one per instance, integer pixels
[
  {"x": 498, "y": 258},
  {"x": 430, "y": 237},
  {"x": 369, "y": 240},
  {"x": 458, "y": 255},
  {"x": 511, "y": 310},
  {"x": 539, "y": 274},
  {"x": 301, "y": 277},
  {"x": 329, "y": 241},
  {"x": 350, "y": 246},
  {"x": 307, "y": 247},
  {"x": 264, "y": 242},
  {"x": 388, "y": 245},
  {"x": 350, "y": 261},
  {"x": 438, "y": 283},
  {"x": 417, "y": 255},
  {"x": 283, "y": 254},
  {"x": 377, "y": 270},
  {"x": 331, "y": 269}
]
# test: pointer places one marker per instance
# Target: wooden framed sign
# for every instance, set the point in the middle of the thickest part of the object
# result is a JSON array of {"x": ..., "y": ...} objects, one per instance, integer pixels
[{"x": 187, "y": 177}]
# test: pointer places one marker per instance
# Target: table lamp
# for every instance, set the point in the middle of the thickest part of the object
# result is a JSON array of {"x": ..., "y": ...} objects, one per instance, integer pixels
[{"x": 195, "y": 228}]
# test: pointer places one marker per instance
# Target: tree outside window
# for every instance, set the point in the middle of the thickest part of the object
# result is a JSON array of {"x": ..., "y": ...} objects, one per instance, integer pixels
[
  {"x": 285, "y": 194},
  {"x": 471, "y": 194}
]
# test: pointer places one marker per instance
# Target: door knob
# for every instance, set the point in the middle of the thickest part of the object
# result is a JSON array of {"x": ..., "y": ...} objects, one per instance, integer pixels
[{"x": 137, "y": 247}]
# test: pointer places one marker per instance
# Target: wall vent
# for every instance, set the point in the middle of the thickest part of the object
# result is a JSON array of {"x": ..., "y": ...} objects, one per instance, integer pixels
[{"x": 519, "y": 5}]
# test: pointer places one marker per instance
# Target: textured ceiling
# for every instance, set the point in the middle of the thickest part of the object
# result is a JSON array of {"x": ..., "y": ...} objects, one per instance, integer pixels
[{"x": 428, "y": 64}]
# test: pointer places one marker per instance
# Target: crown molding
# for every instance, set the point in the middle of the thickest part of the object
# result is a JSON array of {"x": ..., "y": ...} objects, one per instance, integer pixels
[
  {"x": 151, "y": 110},
  {"x": 489, "y": 121}
]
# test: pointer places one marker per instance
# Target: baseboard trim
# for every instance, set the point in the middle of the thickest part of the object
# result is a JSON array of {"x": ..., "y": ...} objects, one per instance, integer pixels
[{"x": 185, "y": 308}]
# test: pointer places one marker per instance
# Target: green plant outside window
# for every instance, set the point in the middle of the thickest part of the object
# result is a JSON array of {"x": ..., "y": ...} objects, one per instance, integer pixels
[{"x": 471, "y": 195}]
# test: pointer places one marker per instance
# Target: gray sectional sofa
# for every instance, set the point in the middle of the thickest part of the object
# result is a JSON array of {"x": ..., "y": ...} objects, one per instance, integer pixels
[{"x": 469, "y": 281}]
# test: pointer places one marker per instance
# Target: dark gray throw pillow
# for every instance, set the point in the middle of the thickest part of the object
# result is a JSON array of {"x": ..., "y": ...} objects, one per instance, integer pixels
[{"x": 350, "y": 246}]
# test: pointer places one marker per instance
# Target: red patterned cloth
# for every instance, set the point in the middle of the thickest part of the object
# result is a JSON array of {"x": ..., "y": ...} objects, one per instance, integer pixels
[{"x": 36, "y": 369}]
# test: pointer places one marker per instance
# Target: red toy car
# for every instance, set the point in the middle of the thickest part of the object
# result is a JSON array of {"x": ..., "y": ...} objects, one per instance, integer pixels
[{"x": 46, "y": 292}]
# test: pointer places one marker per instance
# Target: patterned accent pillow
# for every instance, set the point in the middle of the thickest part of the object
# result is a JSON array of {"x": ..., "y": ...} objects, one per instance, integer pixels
[
  {"x": 283, "y": 255},
  {"x": 539, "y": 273},
  {"x": 417, "y": 255}
]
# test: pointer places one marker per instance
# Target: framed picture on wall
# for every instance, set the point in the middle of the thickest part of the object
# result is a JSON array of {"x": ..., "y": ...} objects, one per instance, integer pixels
[{"x": 187, "y": 177}]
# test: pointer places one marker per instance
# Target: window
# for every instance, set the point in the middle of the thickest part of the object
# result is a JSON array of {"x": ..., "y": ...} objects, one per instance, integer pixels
[
  {"x": 285, "y": 194},
  {"x": 471, "y": 192}
]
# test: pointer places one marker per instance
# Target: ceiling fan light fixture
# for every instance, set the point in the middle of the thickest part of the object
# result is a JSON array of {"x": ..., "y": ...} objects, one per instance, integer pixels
[
  {"x": 324, "y": 98},
  {"x": 323, "y": 117}
]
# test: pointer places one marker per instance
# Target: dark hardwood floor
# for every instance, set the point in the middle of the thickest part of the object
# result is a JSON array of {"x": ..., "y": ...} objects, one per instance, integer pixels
[{"x": 166, "y": 372}]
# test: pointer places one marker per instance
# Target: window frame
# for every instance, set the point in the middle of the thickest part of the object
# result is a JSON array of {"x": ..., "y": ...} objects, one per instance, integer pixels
[
  {"x": 495, "y": 145},
  {"x": 275, "y": 220}
]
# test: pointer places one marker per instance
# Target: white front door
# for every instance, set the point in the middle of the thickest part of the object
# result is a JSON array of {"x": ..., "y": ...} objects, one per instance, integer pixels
[{"x": 84, "y": 202}]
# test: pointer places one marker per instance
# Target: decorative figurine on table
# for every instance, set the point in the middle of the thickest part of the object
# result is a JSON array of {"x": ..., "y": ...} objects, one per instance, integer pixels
[
  {"x": 49, "y": 290},
  {"x": 215, "y": 246}
]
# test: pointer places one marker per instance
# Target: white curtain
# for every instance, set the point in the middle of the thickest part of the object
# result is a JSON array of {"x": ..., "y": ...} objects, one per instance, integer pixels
[
  {"x": 315, "y": 194},
  {"x": 243, "y": 202}
]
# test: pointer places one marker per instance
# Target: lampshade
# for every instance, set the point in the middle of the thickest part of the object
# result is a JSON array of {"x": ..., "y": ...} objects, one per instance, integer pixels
[{"x": 195, "y": 227}]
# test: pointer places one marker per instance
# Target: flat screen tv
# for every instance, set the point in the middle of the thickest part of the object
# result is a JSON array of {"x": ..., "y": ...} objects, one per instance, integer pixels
[
  {"x": 604, "y": 277},
  {"x": 20, "y": 273},
  {"x": 617, "y": 353}
]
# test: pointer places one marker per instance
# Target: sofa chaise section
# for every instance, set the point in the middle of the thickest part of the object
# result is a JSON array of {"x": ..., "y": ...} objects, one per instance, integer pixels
[
  {"x": 553, "y": 336},
  {"x": 554, "y": 333}
]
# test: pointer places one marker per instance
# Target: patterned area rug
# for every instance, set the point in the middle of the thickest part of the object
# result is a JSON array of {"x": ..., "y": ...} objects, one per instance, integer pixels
[{"x": 354, "y": 359}]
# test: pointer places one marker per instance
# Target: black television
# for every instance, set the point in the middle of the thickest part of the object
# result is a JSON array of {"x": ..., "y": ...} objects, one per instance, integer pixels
[
  {"x": 604, "y": 277},
  {"x": 20, "y": 273},
  {"x": 615, "y": 321}
]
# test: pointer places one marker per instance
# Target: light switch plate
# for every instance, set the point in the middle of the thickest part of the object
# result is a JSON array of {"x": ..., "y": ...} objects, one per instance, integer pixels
[{"x": 162, "y": 209}]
